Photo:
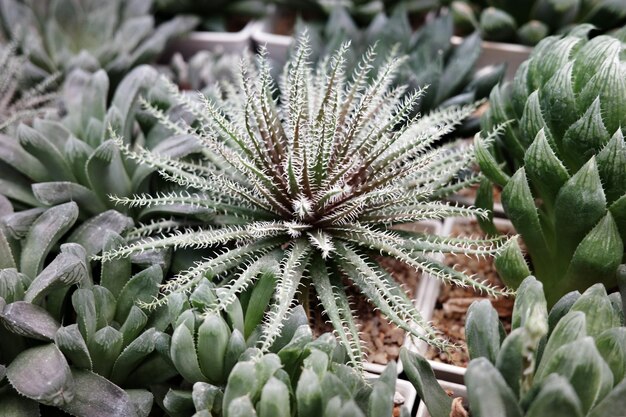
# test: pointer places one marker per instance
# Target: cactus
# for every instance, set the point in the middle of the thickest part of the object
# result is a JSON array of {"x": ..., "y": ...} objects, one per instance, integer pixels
[
  {"x": 561, "y": 139},
  {"x": 569, "y": 362}
]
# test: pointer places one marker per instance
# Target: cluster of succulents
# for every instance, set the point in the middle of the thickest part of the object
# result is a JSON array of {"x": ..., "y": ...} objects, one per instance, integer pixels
[
  {"x": 568, "y": 362},
  {"x": 529, "y": 22},
  {"x": 564, "y": 161},
  {"x": 60, "y": 35},
  {"x": 446, "y": 72}
]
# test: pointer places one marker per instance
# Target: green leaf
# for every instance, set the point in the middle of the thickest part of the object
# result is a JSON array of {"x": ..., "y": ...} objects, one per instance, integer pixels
[
  {"x": 612, "y": 346},
  {"x": 104, "y": 348},
  {"x": 84, "y": 304},
  {"x": 612, "y": 167},
  {"x": 136, "y": 351},
  {"x": 309, "y": 394},
  {"x": 142, "y": 287},
  {"x": 511, "y": 265},
  {"x": 558, "y": 96},
  {"x": 529, "y": 297},
  {"x": 52, "y": 193},
  {"x": 213, "y": 336},
  {"x": 92, "y": 234},
  {"x": 585, "y": 138},
  {"x": 572, "y": 327},
  {"x": 47, "y": 154},
  {"x": 274, "y": 400},
  {"x": 29, "y": 320},
  {"x": 497, "y": 25},
  {"x": 43, "y": 234},
  {"x": 259, "y": 300},
  {"x": 511, "y": 357},
  {"x": 381, "y": 398},
  {"x": 115, "y": 272},
  {"x": 583, "y": 191},
  {"x": 184, "y": 356},
  {"x": 134, "y": 324},
  {"x": 107, "y": 173},
  {"x": 41, "y": 373},
  {"x": 65, "y": 270},
  {"x": 488, "y": 164},
  {"x": 613, "y": 404},
  {"x": 597, "y": 256},
  {"x": 482, "y": 330},
  {"x": 242, "y": 383},
  {"x": 423, "y": 379},
  {"x": 488, "y": 393},
  {"x": 532, "y": 121},
  {"x": 240, "y": 407},
  {"x": 561, "y": 308},
  {"x": 556, "y": 398},
  {"x": 14, "y": 405},
  {"x": 598, "y": 309},
  {"x": 95, "y": 396},
  {"x": 71, "y": 343}
]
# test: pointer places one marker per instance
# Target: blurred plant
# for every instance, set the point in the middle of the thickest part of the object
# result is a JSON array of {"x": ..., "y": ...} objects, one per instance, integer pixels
[
  {"x": 203, "y": 71},
  {"x": 307, "y": 190},
  {"x": 115, "y": 35},
  {"x": 20, "y": 102},
  {"x": 214, "y": 15},
  {"x": 565, "y": 146},
  {"x": 570, "y": 362},
  {"x": 432, "y": 62},
  {"x": 529, "y": 22},
  {"x": 71, "y": 160}
]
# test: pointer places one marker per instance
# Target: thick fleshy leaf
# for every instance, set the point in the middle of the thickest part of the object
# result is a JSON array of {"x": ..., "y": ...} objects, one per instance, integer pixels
[
  {"x": 136, "y": 351},
  {"x": 488, "y": 393},
  {"x": 598, "y": 309},
  {"x": 585, "y": 138},
  {"x": 556, "y": 398},
  {"x": 142, "y": 287},
  {"x": 43, "y": 234},
  {"x": 423, "y": 379},
  {"x": 184, "y": 355},
  {"x": 532, "y": 121},
  {"x": 612, "y": 346},
  {"x": 613, "y": 404},
  {"x": 51, "y": 193},
  {"x": 92, "y": 233},
  {"x": 65, "y": 270},
  {"x": 612, "y": 167},
  {"x": 213, "y": 336},
  {"x": 47, "y": 154},
  {"x": 530, "y": 296},
  {"x": 29, "y": 320},
  {"x": 242, "y": 382},
  {"x": 558, "y": 96},
  {"x": 12, "y": 285},
  {"x": 572, "y": 327},
  {"x": 274, "y": 401},
  {"x": 107, "y": 173},
  {"x": 115, "y": 272},
  {"x": 42, "y": 374},
  {"x": 14, "y": 405},
  {"x": 96, "y": 396},
  {"x": 71, "y": 343},
  {"x": 84, "y": 304},
  {"x": 104, "y": 348},
  {"x": 482, "y": 330},
  {"x": 511, "y": 358},
  {"x": 511, "y": 265}
]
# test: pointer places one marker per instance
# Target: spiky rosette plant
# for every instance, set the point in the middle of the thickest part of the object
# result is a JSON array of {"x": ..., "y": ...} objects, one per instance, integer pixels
[
  {"x": 307, "y": 188},
  {"x": 21, "y": 102}
]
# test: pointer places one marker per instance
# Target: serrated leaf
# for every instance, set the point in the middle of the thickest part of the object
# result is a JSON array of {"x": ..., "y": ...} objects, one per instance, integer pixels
[
  {"x": 41, "y": 373},
  {"x": 104, "y": 347},
  {"x": 142, "y": 287},
  {"x": 511, "y": 265},
  {"x": 612, "y": 167},
  {"x": 65, "y": 270},
  {"x": 29, "y": 320},
  {"x": 71, "y": 343},
  {"x": 585, "y": 137}
]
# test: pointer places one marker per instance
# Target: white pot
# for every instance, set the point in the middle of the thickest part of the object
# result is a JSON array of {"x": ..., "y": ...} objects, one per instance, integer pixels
[
  {"x": 429, "y": 291},
  {"x": 277, "y": 45},
  {"x": 432, "y": 227},
  {"x": 493, "y": 53},
  {"x": 219, "y": 42},
  {"x": 458, "y": 390}
]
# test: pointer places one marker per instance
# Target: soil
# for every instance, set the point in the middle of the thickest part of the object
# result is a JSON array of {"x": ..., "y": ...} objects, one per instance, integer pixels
[
  {"x": 453, "y": 302},
  {"x": 382, "y": 340}
]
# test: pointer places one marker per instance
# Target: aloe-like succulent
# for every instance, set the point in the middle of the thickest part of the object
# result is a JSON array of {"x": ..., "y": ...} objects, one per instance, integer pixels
[
  {"x": 529, "y": 22},
  {"x": 569, "y": 362},
  {"x": 307, "y": 188},
  {"x": 116, "y": 35},
  {"x": 563, "y": 143},
  {"x": 447, "y": 71},
  {"x": 304, "y": 378},
  {"x": 32, "y": 296},
  {"x": 21, "y": 102},
  {"x": 72, "y": 159}
]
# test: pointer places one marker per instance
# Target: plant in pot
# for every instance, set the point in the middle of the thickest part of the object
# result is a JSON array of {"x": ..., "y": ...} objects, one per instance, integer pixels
[
  {"x": 60, "y": 35},
  {"x": 446, "y": 71},
  {"x": 306, "y": 189},
  {"x": 561, "y": 160},
  {"x": 214, "y": 16},
  {"x": 528, "y": 23},
  {"x": 569, "y": 362}
]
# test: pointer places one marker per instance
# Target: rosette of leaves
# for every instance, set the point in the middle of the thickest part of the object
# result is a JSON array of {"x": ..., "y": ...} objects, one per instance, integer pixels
[
  {"x": 203, "y": 71},
  {"x": 569, "y": 362},
  {"x": 529, "y": 22},
  {"x": 447, "y": 71},
  {"x": 54, "y": 162},
  {"x": 565, "y": 149},
  {"x": 214, "y": 15},
  {"x": 21, "y": 102},
  {"x": 32, "y": 296},
  {"x": 307, "y": 188},
  {"x": 116, "y": 35},
  {"x": 304, "y": 378}
]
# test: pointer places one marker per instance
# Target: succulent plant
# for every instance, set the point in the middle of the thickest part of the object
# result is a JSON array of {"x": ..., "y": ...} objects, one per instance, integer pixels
[
  {"x": 32, "y": 296},
  {"x": 203, "y": 71},
  {"x": 569, "y": 362},
  {"x": 433, "y": 62},
  {"x": 214, "y": 15},
  {"x": 307, "y": 190},
  {"x": 21, "y": 102},
  {"x": 305, "y": 378},
  {"x": 530, "y": 22},
  {"x": 116, "y": 35},
  {"x": 565, "y": 146},
  {"x": 54, "y": 162}
]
